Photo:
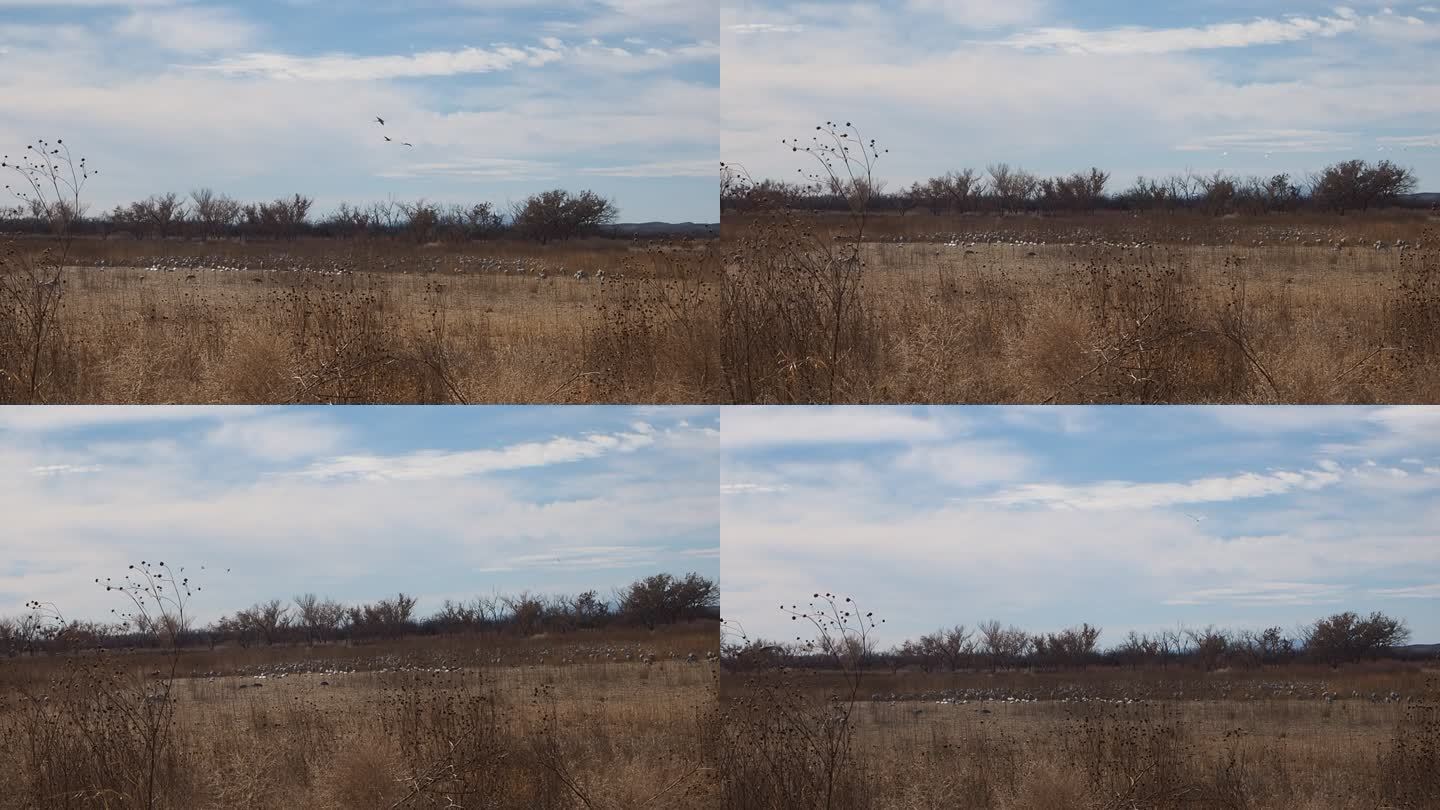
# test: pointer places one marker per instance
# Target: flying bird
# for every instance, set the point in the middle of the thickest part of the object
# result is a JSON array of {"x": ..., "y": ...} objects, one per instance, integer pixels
[
  {"x": 387, "y": 139},
  {"x": 381, "y": 120},
  {"x": 1196, "y": 518},
  {"x": 411, "y": 145}
]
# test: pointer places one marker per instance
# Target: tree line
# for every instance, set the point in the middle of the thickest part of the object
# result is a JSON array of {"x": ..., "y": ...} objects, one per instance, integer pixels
[
  {"x": 991, "y": 645},
  {"x": 548, "y": 216},
  {"x": 653, "y": 601},
  {"x": 1351, "y": 185}
]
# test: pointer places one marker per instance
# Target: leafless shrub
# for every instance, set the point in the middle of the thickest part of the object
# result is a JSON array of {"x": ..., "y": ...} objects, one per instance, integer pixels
[{"x": 33, "y": 347}]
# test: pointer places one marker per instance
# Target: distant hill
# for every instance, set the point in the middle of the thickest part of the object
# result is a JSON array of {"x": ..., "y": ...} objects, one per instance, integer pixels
[
  {"x": 1418, "y": 651},
  {"x": 653, "y": 229},
  {"x": 1425, "y": 199}
]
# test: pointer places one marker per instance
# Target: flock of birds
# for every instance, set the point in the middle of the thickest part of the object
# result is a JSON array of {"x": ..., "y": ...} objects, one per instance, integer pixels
[
  {"x": 383, "y": 664},
  {"x": 1274, "y": 237},
  {"x": 1130, "y": 693},
  {"x": 192, "y": 266},
  {"x": 388, "y": 139}
]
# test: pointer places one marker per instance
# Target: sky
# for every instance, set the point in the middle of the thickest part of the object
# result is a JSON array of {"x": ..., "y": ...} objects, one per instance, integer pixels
[
  {"x": 1135, "y": 87},
  {"x": 354, "y": 504},
  {"x": 1130, "y": 518},
  {"x": 501, "y": 98}
]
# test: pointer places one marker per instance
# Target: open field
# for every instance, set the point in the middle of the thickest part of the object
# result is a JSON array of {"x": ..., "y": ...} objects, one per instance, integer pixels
[
  {"x": 1102, "y": 308},
  {"x": 321, "y": 321},
  {"x": 1284, "y": 737},
  {"x": 611, "y": 719}
]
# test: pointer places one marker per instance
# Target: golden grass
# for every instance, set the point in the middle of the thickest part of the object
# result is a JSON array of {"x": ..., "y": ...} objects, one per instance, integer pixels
[
  {"x": 406, "y": 724},
  {"x": 1102, "y": 309},
  {"x": 1114, "y": 753},
  {"x": 327, "y": 322}
]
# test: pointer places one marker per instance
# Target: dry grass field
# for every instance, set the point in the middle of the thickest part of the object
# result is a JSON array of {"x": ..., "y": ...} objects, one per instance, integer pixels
[
  {"x": 620, "y": 719},
  {"x": 1103, "y": 308},
  {"x": 325, "y": 321},
  {"x": 1285, "y": 737}
]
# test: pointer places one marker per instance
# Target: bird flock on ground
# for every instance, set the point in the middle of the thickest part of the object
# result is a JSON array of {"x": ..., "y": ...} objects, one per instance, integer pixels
[
  {"x": 1122, "y": 693},
  {"x": 191, "y": 266}
]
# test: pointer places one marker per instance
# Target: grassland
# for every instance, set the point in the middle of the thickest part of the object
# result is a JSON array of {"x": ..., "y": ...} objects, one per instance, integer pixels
[
  {"x": 1104, "y": 308},
  {"x": 617, "y": 719},
  {"x": 1365, "y": 736},
  {"x": 365, "y": 321}
]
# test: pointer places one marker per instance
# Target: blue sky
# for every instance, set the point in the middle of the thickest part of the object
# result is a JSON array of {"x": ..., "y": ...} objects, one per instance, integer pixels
[
  {"x": 354, "y": 503},
  {"x": 1129, "y": 518},
  {"x": 500, "y": 98},
  {"x": 1135, "y": 87}
]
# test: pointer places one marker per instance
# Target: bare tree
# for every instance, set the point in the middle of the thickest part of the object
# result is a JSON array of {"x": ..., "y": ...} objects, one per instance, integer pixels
[
  {"x": 214, "y": 212},
  {"x": 320, "y": 618},
  {"x": 1004, "y": 646}
]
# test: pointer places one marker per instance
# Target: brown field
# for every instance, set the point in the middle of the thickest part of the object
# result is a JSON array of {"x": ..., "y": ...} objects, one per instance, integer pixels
[
  {"x": 572, "y": 720},
  {"x": 1103, "y": 308},
  {"x": 1285, "y": 737},
  {"x": 326, "y": 321}
]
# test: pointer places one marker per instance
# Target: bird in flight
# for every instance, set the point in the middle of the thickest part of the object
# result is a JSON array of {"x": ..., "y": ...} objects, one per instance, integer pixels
[
  {"x": 387, "y": 139},
  {"x": 381, "y": 120},
  {"x": 1195, "y": 518},
  {"x": 411, "y": 145}
]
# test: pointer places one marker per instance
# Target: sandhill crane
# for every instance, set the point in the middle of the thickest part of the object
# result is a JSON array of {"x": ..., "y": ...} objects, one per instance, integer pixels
[{"x": 381, "y": 120}]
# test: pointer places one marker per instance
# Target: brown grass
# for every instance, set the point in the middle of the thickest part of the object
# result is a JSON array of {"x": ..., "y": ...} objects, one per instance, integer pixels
[
  {"x": 556, "y": 723},
  {"x": 1098, "y": 309},
  {"x": 1196, "y": 752},
  {"x": 380, "y": 322}
]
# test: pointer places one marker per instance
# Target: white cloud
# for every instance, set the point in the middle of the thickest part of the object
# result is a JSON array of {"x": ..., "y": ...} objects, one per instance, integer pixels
[
  {"x": 189, "y": 30},
  {"x": 1119, "y": 495},
  {"x": 669, "y": 168},
  {"x": 41, "y": 419},
  {"x": 746, "y": 427},
  {"x": 346, "y": 67},
  {"x": 66, "y": 469},
  {"x": 478, "y": 169},
  {"x": 985, "y": 13},
  {"x": 966, "y": 464},
  {"x": 433, "y": 464},
  {"x": 1273, "y": 140},
  {"x": 1420, "y": 141},
  {"x": 1263, "y": 594},
  {"x": 1139, "y": 40},
  {"x": 1413, "y": 592},
  {"x": 278, "y": 437},
  {"x": 1309, "y": 419},
  {"x": 765, "y": 28},
  {"x": 748, "y": 488}
]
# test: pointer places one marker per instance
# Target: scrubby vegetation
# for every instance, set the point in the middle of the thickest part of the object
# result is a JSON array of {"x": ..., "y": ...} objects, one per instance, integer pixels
[
  {"x": 210, "y": 300},
  {"x": 526, "y": 701},
  {"x": 1022, "y": 290},
  {"x": 1000, "y": 717}
]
